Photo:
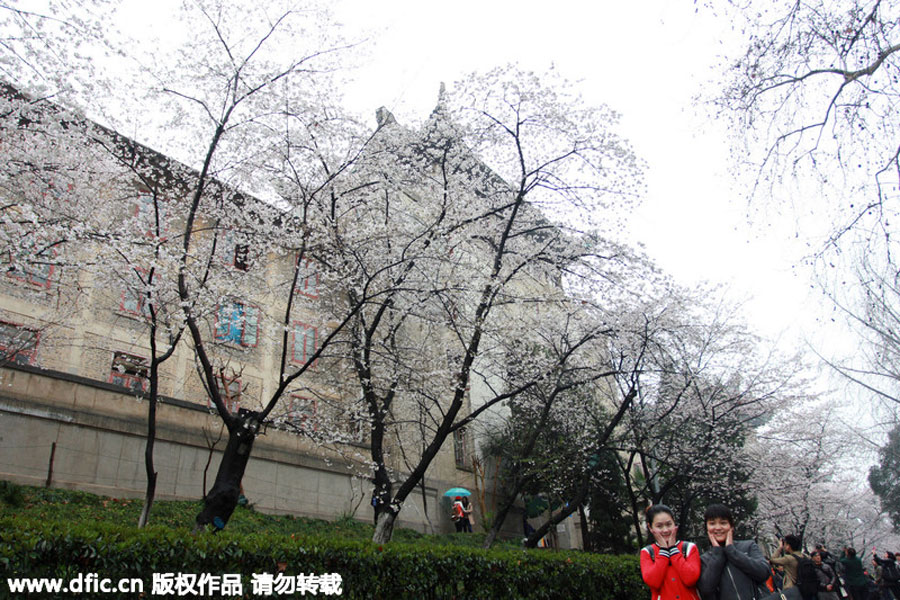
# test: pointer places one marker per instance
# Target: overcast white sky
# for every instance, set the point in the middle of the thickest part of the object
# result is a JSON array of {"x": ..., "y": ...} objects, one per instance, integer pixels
[{"x": 647, "y": 60}]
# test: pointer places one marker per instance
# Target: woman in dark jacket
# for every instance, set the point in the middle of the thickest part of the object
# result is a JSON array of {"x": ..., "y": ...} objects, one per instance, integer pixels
[
  {"x": 857, "y": 584},
  {"x": 731, "y": 570}
]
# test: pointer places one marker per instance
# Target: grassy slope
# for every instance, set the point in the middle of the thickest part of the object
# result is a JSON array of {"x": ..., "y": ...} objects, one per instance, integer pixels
[{"x": 74, "y": 506}]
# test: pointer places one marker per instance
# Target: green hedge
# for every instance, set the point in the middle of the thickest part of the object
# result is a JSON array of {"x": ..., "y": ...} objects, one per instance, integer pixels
[{"x": 395, "y": 571}]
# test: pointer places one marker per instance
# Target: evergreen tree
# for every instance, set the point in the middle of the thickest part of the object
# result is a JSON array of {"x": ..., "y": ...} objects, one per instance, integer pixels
[{"x": 883, "y": 477}]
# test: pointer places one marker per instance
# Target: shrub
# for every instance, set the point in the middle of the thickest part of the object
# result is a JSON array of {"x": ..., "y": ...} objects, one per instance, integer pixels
[
  {"x": 53, "y": 549},
  {"x": 11, "y": 494},
  {"x": 66, "y": 534}
]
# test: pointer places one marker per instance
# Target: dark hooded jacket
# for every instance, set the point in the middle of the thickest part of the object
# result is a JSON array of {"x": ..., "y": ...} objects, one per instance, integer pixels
[{"x": 732, "y": 572}]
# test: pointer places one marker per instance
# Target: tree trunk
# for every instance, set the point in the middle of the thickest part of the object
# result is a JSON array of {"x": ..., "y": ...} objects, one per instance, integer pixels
[
  {"x": 632, "y": 497},
  {"x": 223, "y": 497},
  {"x": 636, "y": 523},
  {"x": 384, "y": 528},
  {"x": 586, "y": 542},
  {"x": 499, "y": 518},
  {"x": 148, "y": 450},
  {"x": 425, "y": 506},
  {"x": 148, "y": 499},
  {"x": 491, "y": 537},
  {"x": 384, "y": 487}
]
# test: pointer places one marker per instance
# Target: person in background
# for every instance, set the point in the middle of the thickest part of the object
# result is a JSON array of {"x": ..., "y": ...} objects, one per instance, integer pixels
[
  {"x": 468, "y": 519},
  {"x": 731, "y": 570},
  {"x": 878, "y": 591},
  {"x": 827, "y": 578},
  {"x": 854, "y": 576},
  {"x": 669, "y": 567},
  {"x": 458, "y": 514},
  {"x": 890, "y": 572},
  {"x": 825, "y": 555},
  {"x": 829, "y": 559},
  {"x": 786, "y": 556}
]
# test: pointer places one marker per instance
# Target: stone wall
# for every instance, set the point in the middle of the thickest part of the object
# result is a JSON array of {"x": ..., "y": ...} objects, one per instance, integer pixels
[{"x": 96, "y": 434}]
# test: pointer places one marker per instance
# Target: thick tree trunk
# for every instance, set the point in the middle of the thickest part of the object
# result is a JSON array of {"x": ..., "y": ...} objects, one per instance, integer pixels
[
  {"x": 223, "y": 497},
  {"x": 382, "y": 503},
  {"x": 384, "y": 487},
  {"x": 384, "y": 528}
]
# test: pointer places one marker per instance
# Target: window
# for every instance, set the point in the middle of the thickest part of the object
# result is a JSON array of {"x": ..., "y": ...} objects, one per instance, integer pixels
[
  {"x": 230, "y": 390},
  {"x": 129, "y": 371},
  {"x": 237, "y": 323},
  {"x": 18, "y": 344},
  {"x": 303, "y": 342},
  {"x": 134, "y": 298},
  {"x": 32, "y": 263},
  {"x": 461, "y": 449},
  {"x": 241, "y": 254},
  {"x": 236, "y": 254},
  {"x": 307, "y": 278},
  {"x": 301, "y": 413}
]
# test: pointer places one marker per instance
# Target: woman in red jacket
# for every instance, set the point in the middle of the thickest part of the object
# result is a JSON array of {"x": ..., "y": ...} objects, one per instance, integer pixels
[{"x": 669, "y": 567}]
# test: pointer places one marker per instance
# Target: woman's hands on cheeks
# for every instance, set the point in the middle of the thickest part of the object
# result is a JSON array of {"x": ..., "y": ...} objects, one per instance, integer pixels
[
  {"x": 729, "y": 538},
  {"x": 666, "y": 541}
]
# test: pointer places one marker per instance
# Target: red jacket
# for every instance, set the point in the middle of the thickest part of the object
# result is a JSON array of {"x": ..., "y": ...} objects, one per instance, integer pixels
[{"x": 671, "y": 573}]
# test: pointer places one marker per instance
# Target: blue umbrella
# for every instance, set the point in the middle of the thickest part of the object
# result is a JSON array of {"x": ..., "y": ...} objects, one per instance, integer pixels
[{"x": 457, "y": 492}]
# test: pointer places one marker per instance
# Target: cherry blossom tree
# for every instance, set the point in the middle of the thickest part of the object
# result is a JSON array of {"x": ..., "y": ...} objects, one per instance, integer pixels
[
  {"x": 66, "y": 180},
  {"x": 468, "y": 229},
  {"x": 811, "y": 102},
  {"x": 797, "y": 456},
  {"x": 812, "y": 96},
  {"x": 710, "y": 383},
  {"x": 559, "y": 430},
  {"x": 807, "y": 480},
  {"x": 147, "y": 293},
  {"x": 565, "y": 418},
  {"x": 260, "y": 110},
  {"x": 237, "y": 108}
]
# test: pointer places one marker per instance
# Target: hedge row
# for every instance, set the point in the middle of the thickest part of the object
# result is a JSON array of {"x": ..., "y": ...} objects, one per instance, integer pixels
[{"x": 369, "y": 571}]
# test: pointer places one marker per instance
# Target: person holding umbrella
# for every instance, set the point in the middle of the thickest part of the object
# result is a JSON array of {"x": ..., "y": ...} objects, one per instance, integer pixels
[
  {"x": 469, "y": 521},
  {"x": 458, "y": 510},
  {"x": 458, "y": 514}
]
